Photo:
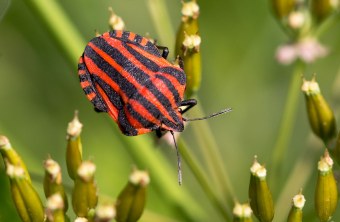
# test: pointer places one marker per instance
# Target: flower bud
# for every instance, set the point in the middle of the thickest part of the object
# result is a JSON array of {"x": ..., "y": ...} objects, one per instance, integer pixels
[
  {"x": 81, "y": 219},
  {"x": 55, "y": 208},
  {"x": 131, "y": 201},
  {"x": 190, "y": 10},
  {"x": 320, "y": 115},
  {"x": 326, "y": 192},
  {"x": 53, "y": 181},
  {"x": 260, "y": 197},
  {"x": 295, "y": 214},
  {"x": 242, "y": 213},
  {"x": 115, "y": 22},
  {"x": 12, "y": 156},
  {"x": 321, "y": 9},
  {"x": 105, "y": 213},
  {"x": 282, "y": 8},
  {"x": 26, "y": 199},
  {"x": 335, "y": 149},
  {"x": 74, "y": 147},
  {"x": 188, "y": 44},
  {"x": 84, "y": 196}
]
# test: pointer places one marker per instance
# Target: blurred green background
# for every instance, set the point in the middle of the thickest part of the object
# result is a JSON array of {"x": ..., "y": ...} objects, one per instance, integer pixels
[{"x": 39, "y": 91}]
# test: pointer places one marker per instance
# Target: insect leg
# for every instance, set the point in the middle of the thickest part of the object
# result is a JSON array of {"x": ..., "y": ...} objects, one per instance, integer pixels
[
  {"x": 165, "y": 50},
  {"x": 189, "y": 103},
  {"x": 180, "y": 62}
]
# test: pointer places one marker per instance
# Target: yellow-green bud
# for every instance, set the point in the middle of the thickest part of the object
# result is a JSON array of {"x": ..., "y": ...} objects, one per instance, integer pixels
[
  {"x": 295, "y": 214},
  {"x": 25, "y": 197},
  {"x": 282, "y": 8},
  {"x": 115, "y": 22},
  {"x": 131, "y": 201},
  {"x": 12, "y": 156},
  {"x": 320, "y": 115},
  {"x": 55, "y": 208},
  {"x": 321, "y": 9},
  {"x": 242, "y": 213},
  {"x": 74, "y": 146},
  {"x": 53, "y": 181},
  {"x": 260, "y": 197},
  {"x": 84, "y": 196},
  {"x": 326, "y": 192},
  {"x": 105, "y": 213},
  {"x": 188, "y": 44},
  {"x": 335, "y": 149}
]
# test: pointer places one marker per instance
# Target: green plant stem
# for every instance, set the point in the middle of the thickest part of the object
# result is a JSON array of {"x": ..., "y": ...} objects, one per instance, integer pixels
[
  {"x": 327, "y": 24},
  {"x": 305, "y": 163},
  {"x": 162, "y": 22},
  {"x": 287, "y": 120},
  {"x": 61, "y": 29},
  {"x": 212, "y": 156},
  {"x": 202, "y": 179}
]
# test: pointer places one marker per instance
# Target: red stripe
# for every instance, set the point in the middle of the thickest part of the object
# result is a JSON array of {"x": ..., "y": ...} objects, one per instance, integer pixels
[
  {"x": 144, "y": 41},
  {"x": 158, "y": 60},
  {"x": 112, "y": 109},
  {"x": 81, "y": 72},
  {"x": 91, "y": 96},
  {"x": 132, "y": 36},
  {"x": 119, "y": 33},
  {"x": 139, "y": 108},
  {"x": 101, "y": 74},
  {"x": 84, "y": 84},
  {"x": 145, "y": 92},
  {"x": 138, "y": 64}
]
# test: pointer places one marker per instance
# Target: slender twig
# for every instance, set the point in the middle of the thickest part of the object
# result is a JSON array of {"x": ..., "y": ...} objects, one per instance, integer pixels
[
  {"x": 162, "y": 22},
  {"x": 306, "y": 163},
  {"x": 203, "y": 180},
  {"x": 287, "y": 120},
  {"x": 60, "y": 28},
  {"x": 213, "y": 160}
]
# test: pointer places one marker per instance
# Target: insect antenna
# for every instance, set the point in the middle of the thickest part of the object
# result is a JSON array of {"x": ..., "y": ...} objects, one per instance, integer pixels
[
  {"x": 209, "y": 116},
  {"x": 179, "y": 165}
]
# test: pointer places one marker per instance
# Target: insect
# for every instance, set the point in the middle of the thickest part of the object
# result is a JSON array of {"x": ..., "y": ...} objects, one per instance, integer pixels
[{"x": 127, "y": 76}]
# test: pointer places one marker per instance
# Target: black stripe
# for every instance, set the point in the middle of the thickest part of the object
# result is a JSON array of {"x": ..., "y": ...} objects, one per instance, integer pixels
[
  {"x": 142, "y": 78},
  {"x": 125, "y": 85},
  {"x": 179, "y": 75},
  {"x": 88, "y": 90},
  {"x": 124, "y": 125},
  {"x": 113, "y": 96},
  {"x": 138, "y": 39},
  {"x": 143, "y": 121},
  {"x": 171, "y": 88},
  {"x": 97, "y": 101},
  {"x": 149, "y": 47},
  {"x": 151, "y": 65},
  {"x": 113, "y": 33},
  {"x": 125, "y": 35}
]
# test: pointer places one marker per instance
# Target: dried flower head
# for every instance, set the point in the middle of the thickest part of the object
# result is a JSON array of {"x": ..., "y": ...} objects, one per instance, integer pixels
[
  {"x": 115, "y": 22},
  {"x": 74, "y": 127},
  {"x": 190, "y": 10}
]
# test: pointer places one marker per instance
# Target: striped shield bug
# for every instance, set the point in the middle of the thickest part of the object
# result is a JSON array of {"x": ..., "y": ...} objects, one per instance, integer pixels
[{"x": 127, "y": 76}]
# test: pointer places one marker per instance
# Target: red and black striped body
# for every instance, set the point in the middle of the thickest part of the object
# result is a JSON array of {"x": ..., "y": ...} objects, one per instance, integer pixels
[{"x": 125, "y": 75}]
